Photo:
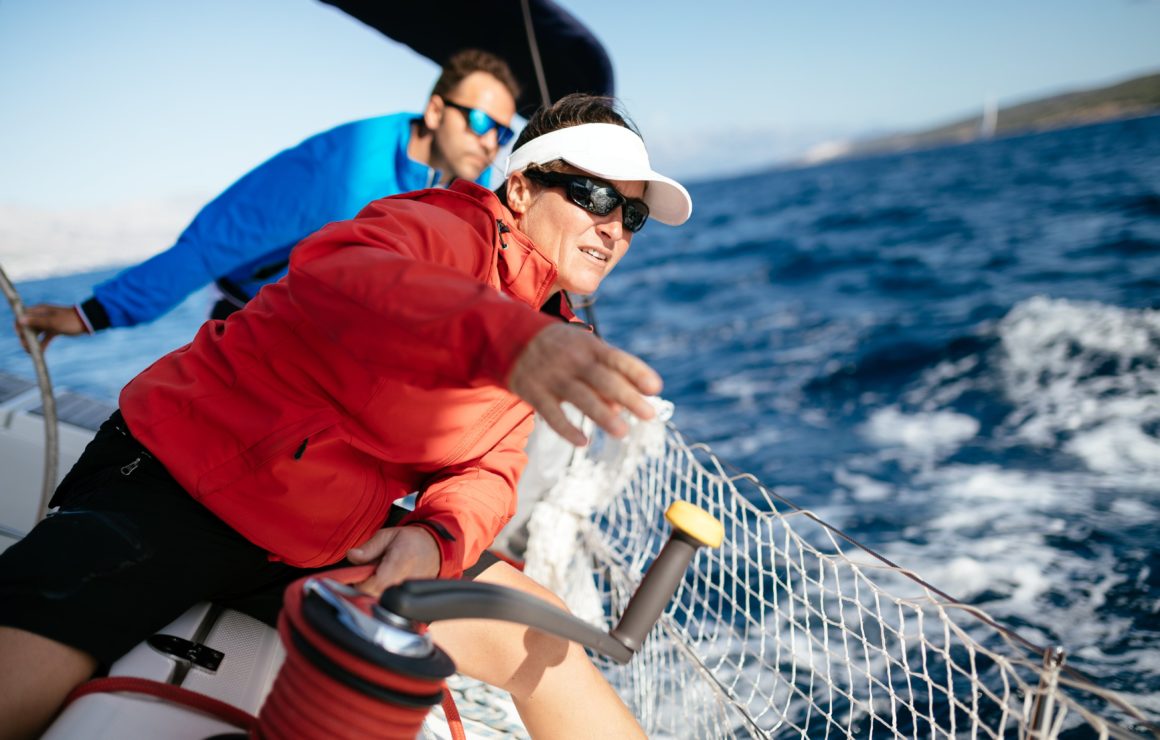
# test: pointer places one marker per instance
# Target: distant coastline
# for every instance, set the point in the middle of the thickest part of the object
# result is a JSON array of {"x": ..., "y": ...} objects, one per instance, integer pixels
[{"x": 1139, "y": 96}]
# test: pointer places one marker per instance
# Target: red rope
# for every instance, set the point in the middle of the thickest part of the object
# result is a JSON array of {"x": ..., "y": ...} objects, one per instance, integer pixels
[
  {"x": 454, "y": 722},
  {"x": 202, "y": 703},
  {"x": 304, "y": 703}
]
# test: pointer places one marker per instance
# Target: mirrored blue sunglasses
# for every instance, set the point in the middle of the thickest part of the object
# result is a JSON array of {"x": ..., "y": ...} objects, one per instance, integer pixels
[{"x": 481, "y": 123}]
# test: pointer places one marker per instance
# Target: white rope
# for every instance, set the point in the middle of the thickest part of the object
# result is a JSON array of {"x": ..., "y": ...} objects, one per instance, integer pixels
[{"x": 589, "y": 483}]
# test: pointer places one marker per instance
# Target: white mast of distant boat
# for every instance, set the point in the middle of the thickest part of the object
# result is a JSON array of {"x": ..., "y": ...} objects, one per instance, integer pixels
[{"x": 990, "y": 118}]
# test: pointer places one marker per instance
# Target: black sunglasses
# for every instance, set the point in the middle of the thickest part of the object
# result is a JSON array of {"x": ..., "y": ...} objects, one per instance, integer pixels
[
  {"x": 595, "y": 197},
  {"x": 480, "y": 122}
]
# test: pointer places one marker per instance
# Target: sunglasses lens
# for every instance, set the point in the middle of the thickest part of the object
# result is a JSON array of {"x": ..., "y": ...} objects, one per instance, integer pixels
[
  {"x": 480, "y": 122},
  {"x": 634, "y": 216},
  {"x": 582, "y": 194},
  {"x": 603, "y": 200}
]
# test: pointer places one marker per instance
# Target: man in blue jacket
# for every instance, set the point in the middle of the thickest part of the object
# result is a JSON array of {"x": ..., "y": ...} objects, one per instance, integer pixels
[{"x": 242, "y": 239}]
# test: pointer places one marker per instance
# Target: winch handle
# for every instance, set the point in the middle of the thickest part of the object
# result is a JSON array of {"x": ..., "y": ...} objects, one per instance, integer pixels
[{"x": 436, "y": 600}]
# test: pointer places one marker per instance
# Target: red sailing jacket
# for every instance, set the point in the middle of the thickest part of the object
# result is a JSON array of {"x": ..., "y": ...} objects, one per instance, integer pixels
[{"x": 376, "y": 367}]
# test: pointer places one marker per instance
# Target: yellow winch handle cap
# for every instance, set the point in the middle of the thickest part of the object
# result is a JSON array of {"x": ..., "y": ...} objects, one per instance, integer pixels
[{"x": 696, "y": 523}]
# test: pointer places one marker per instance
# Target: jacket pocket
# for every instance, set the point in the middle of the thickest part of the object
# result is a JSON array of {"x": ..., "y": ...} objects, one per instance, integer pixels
[
  {"x": 283, "y": 441},
  {"x": 308, "y": 510}
]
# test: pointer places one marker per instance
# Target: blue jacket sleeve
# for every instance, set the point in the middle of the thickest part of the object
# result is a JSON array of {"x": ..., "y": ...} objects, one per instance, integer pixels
[{"x": 266, "y": 212}]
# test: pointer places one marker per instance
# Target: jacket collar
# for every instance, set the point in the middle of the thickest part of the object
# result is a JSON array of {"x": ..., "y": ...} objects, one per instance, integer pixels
[{"x": 524, "y": 271}]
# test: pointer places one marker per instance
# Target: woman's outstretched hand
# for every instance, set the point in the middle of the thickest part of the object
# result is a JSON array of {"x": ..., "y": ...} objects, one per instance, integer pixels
[{"x": 565, "y": 363}]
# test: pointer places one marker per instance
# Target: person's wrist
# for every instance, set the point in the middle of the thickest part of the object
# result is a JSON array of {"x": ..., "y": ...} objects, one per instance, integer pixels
[
  {"x": 433, "y": 542},
  {"x": 93, "y": 315},
  {"x": 83, "y": 319}
]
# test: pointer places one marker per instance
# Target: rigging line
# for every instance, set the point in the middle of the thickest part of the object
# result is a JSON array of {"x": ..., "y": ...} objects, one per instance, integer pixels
[
  {"x": 546, "y": 98},
  {"x": 535, "y": 50},
  {"x": 48, "y": 401}
]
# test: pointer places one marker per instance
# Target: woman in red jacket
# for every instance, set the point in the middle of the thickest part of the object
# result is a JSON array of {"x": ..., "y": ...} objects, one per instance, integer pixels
[{"x": 405, "y": 351}]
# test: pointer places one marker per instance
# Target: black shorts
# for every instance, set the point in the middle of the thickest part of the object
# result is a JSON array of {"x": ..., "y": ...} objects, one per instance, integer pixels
[{"x": 128, "y": 552}]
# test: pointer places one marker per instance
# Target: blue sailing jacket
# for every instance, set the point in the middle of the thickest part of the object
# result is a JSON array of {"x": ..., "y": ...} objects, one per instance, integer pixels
[{"x": 242, "y": 239}]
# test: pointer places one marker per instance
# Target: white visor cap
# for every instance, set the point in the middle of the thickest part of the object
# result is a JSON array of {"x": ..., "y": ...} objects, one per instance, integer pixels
[{"x": 610, "y": 152}]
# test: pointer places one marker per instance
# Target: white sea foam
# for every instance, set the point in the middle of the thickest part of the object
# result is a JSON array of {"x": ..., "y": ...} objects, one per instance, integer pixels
[
  {"x": 943, "y": 383},
  {"x": 930, "y": 435},
  {"x": 1117, "y": 446},
  {"x": 1018, "y": 563},
  {"x": 742, "y": 386},
  {"x": 863, "y": 487},
  {"x": 1082, "y": 379},
  {"x": 961, "y": 576},
  {"x": 1024, "y": 582},
  {"x": 985, "y": 483},
  {"x": 1088, "y": 373},
  {"x": 751, "y": 443},
  {"x": 1133, "y": 509}
]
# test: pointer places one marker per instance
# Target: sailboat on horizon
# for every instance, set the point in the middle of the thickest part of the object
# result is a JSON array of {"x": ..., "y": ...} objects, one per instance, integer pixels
[{"x": 990, "y": 119}]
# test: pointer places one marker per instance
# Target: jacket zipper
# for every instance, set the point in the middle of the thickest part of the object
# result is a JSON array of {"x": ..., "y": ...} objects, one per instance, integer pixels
[{"x": 503, "y": 229}]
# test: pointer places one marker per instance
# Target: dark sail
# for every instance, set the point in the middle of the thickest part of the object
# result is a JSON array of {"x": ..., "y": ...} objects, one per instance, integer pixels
[{"x": 573, "y": 59}]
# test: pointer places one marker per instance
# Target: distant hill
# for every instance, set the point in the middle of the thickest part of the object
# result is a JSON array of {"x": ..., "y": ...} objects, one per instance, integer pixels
[{"x": 1136, "y": 97}]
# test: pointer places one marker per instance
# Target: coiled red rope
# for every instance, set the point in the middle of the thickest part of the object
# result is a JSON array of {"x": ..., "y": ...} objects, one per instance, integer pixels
[
  {"x": 307, "y": 704},
  {"x": 309, "y": 699}
]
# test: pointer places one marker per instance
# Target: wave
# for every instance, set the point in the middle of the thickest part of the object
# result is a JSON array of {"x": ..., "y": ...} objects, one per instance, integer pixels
[
  {"x": 889, "y": 359},
  {"x": 1020, "y": 474},
  {"x": 1123, "y": 245},
  {"x": 1086, "y": 376},
  {"x": 1146, "y": 205},
  {"x": 889, "y": 216},
  {"x": 1078, "y": 382}
]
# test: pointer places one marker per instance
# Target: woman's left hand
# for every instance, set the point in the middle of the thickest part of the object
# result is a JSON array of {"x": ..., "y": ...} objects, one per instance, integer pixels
[
  {"x": 563, "y": 363},
  {"x": 402, "y": 552}
]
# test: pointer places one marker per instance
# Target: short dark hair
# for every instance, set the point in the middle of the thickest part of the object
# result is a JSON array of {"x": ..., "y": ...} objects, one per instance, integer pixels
[
  {"x": 570, "y": 110},
  {"x": 465, "y": 62},
  {"x": 573, "y": 110}
]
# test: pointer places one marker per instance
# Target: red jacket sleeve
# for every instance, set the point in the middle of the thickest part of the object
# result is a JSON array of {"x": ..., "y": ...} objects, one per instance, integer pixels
[
  {"x": 466, "y": 506},
  {"x": 405, "y": 291}
]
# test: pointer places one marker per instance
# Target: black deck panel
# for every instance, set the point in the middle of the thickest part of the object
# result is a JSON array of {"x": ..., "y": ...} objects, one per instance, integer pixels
[
  {"x": 80, "y": 411},
  {"x": 12, "y": 386}
]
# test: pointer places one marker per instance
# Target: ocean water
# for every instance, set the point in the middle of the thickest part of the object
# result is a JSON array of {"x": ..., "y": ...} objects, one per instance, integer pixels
[{"x": 952, "y": 355}]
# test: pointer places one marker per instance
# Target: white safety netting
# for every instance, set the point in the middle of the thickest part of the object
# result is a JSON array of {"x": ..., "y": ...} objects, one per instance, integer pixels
[{"x": 789, "y": 629}]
